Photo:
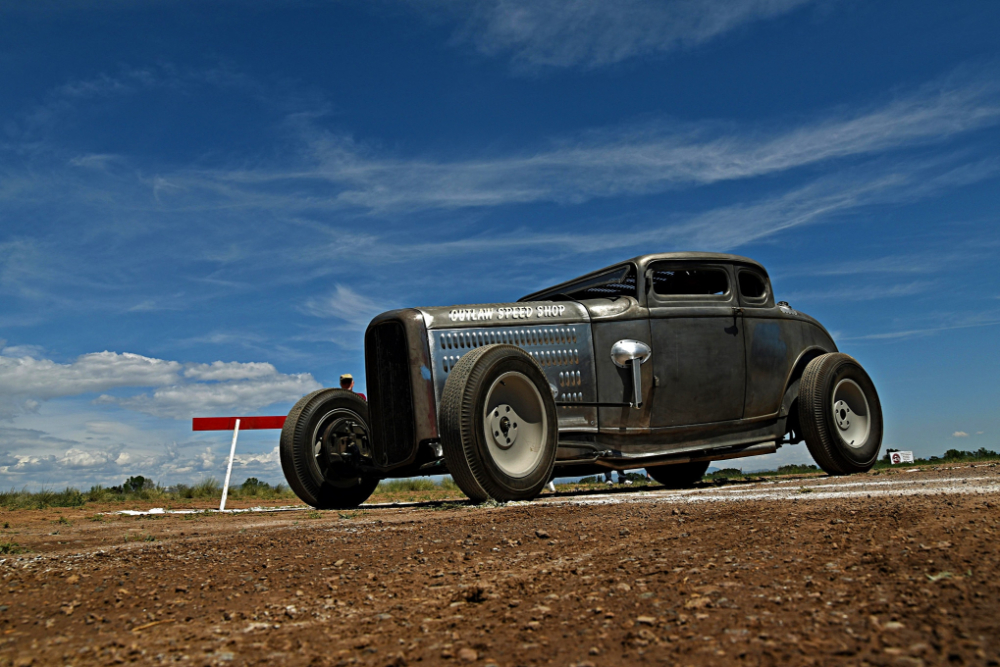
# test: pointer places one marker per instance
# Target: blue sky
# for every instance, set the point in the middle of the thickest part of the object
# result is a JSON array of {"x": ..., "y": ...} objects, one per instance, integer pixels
[{"x": 203, "y": 203}]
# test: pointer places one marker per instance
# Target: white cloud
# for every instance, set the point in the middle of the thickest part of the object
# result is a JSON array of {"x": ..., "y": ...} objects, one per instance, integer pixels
[
  {"x": 28, "y": 379},
  {"x": 347, "y": 305},
  {"x": 272, "y": 457},
  {"x": 337, "y": 172},
  {"x": 33, "y": 458},
  {"x": 949, "y": 322},
  {"x": 871, "y": 291},
  {"x": 115, "y": 428},
  {"x": 182, "y": 390},
  {"x": 960, "y": 434},
  {"x": 592, "y": 33},
  {"x": 205, "y": 399},
  {"x": 221, "y": 370}
]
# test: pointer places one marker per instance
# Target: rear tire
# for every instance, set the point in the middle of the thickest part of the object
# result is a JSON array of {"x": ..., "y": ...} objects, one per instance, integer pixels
[
  {"x": 499, "y": 429},
  {"x": 840, "y": 414},
  {"x": 679, "y": 475},
  {"x": 324, "y": 434}
]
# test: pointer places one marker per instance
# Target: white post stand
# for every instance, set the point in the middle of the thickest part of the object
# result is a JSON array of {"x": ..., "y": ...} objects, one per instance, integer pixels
[{"x": 229, "y": 470}]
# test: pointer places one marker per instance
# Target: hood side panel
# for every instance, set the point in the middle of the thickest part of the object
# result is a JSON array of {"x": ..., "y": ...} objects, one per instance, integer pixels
[{"x": 565, "y": 353}]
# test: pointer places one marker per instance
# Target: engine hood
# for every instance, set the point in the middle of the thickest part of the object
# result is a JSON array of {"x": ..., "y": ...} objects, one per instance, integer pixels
[{"x": 524, "y": 313}]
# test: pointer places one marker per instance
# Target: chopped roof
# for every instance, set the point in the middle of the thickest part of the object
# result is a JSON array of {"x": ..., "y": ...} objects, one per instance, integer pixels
[{"x": 641, "y": 261}]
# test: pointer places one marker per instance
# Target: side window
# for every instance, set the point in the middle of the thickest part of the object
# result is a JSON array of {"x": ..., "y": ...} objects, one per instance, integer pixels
[
  {"x": 752, "y": 286},
  {"x": 674, "y": 281},
  {"x": 619, "y": 282}
]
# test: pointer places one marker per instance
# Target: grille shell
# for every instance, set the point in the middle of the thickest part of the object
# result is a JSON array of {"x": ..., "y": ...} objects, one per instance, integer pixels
[{"x": 390, "y": 394}]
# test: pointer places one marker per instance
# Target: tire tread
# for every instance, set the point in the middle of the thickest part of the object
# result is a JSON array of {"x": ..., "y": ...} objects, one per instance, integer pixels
[{"x": 458, "y": 422}]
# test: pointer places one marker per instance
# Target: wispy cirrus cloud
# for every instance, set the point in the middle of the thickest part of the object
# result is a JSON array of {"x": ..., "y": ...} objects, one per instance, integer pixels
[
  {"x": 332, "y": 171},
  {"x": 863, "y": 292},
  {"x": 345, "y": 304},
  {"x": 335, "y": 171},
  {"x": 360, "y": 205},
  {"x": 931, "y": 326},
  {"x": 593, "y": 33}
]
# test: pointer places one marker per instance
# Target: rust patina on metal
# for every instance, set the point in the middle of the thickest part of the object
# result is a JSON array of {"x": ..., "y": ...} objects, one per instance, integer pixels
[{"x": 664, "y": 362}]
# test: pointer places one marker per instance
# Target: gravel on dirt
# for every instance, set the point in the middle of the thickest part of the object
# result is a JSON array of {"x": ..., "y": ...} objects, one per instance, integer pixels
[{"x": 898, "y": 569}]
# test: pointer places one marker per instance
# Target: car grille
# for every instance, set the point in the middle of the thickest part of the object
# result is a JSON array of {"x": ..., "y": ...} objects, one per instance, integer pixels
[{"x": 390, "y": 395}]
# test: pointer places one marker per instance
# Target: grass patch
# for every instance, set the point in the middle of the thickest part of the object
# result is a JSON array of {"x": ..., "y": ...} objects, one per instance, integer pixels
[
  {"x": 139, "y": 538},
  {"x": 11, "y": 548},
  {"x": 950, "y": 456},
  {"x": 408, "y": 484},
  {"x": 416, "y": 489},
  {"x": 141, "y": 489}
]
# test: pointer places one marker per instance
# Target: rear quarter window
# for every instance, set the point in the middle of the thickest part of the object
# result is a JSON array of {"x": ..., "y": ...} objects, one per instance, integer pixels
[{"x": 752, "y": 285}]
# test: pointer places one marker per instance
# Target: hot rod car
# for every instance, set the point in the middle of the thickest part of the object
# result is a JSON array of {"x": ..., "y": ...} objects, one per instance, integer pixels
[{"x": 663, "y": 362}]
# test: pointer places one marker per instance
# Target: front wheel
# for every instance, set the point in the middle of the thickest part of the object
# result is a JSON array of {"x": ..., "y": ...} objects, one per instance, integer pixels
[
  {"x": 324, "y": 437},
  {"x": 840, "y": 414},
  {"x": 499, "y": 428}
]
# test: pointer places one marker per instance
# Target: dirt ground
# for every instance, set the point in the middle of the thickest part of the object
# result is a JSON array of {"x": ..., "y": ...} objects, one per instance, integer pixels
[{"x": 888, "y": 570}]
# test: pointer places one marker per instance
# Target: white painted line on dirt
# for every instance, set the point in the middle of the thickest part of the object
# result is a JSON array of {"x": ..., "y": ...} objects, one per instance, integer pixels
[
  {"x": 766, "y": 490},
  {"x": 160, "y": 510},
  {"x": 944, "y": 487}
]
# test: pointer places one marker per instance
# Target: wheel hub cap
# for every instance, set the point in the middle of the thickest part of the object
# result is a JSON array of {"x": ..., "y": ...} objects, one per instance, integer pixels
[
  {"x": 842, "y": 413},
  {"x": 850, "y": 413},
  {"x": 514, "y": 424},
  {"x": 503, "y": 424}
]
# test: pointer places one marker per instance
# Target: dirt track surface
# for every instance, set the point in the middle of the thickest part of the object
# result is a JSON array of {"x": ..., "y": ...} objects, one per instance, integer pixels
[{"x": 896, "y": 569}]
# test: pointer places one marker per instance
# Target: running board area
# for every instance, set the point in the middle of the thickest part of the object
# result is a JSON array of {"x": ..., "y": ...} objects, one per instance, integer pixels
[{"x": 721, "y": 454}]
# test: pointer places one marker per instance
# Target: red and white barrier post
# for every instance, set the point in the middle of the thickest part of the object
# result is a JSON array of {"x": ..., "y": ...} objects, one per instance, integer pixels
[{"x": 227, "y": 423}]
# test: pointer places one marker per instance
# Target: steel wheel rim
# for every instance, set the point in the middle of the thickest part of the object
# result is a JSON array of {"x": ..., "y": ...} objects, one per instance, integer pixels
[
  {"x": 335, "y": 434},
  {"x": 851, "y": 414},
  {"x": 515, "y": 424}
]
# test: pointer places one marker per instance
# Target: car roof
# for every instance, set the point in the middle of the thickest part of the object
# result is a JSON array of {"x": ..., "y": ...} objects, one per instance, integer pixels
[{"x": 642, "y": 261}]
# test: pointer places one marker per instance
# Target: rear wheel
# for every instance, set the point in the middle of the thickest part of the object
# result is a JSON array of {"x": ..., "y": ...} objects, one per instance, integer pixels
[
  {"x": 679, "y": 475},
  {"x": 840, "y": 414},
  {"x": 324, "y": 438},
  {"x": 498, "y": 424}
]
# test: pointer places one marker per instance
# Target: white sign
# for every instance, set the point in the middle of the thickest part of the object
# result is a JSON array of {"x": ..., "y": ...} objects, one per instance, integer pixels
[{"x": 900, "y": 457}]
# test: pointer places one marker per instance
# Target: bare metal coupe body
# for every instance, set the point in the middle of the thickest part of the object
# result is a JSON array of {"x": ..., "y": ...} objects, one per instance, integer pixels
[{"x": 663, "y": 362}]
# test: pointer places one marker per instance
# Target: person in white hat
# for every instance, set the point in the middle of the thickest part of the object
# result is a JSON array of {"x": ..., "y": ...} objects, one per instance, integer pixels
[{"x": 347, "y": 382}]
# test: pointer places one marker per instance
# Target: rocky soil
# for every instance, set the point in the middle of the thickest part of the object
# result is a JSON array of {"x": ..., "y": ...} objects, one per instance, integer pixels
[{"x": 624, "y": 578}]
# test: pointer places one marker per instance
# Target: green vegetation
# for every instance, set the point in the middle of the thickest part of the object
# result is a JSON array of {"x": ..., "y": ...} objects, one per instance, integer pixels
[
  {"x": 415, "y": 489},
  {"x": 141, "y": 489},
  {"x": 950, "y": 456},
  {"x": 11, "y": 548},
  {"x": 144, "y": 489},
  {"x": 139, "y": 537},
  {"x": 408, "y": 484},
  {"x": 726, "y": 473}
]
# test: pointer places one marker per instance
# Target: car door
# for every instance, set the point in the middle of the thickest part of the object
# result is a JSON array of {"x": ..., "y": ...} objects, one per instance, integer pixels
[{"x": 698, "y": 348}]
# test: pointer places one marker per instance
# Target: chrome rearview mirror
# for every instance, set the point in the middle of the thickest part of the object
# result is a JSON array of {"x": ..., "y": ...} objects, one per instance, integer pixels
[{"x": 634, "y": 352}]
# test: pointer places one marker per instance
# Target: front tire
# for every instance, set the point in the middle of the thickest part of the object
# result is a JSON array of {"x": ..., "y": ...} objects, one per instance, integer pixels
[
  {"x": 840, "y": 414},
  {"x": 499, "y": 429},
  {"x": 679, "y": 475},
  {"x": 323, "y": 438}
]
